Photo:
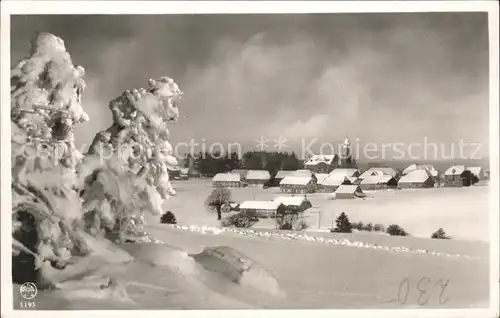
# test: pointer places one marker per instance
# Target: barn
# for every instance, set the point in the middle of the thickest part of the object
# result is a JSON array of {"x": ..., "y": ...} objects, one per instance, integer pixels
[
  {"x": 349, "y": 191},
  {"x": 378, "y": 181},
  {"x": 292, "y": 184},
  {"x": 416, "y": 179},
  {"x": 230, "y": 180},
  {"x": 260, "y": 208},
  {"x": 241, "y": 172},
  {"x": 257, "y": 177},
  {"x": 321, "y": 163},
  {"x": 459, "y": 176},
  {"x": 294, "y": 203},
  {"x": 378, "y": 171}
]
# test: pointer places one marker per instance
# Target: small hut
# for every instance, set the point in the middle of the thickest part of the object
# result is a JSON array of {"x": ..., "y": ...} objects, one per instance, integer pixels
[
  {"x": 378, "y": 181},
  {"x": 230, "y": 180},
  {"x": 298, "y": 184},
  {"x": 459, "y": 176},
  {"x": 349, "y": 191},
  {"x": 257, "y": 177},
  {"x": 260, "y": 208},
  {"x": 416, "y": 179}
]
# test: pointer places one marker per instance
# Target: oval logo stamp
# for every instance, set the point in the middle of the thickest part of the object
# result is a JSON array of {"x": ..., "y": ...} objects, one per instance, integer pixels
[{"x": 28, "y": 290}]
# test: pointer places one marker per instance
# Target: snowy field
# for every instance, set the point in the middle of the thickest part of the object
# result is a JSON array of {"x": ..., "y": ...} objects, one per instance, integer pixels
[
  {"x": 461, "y": 212},
  {"x": 315, "y": 275}
]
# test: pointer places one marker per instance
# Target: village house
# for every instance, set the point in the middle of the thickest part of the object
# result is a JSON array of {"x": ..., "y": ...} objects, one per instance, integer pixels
[
  {"x": 229, "y": 180},
  {"x": 477, "y": 171},
  {"x": 260, "y": 208},
  {"x": 257, "y": 177},
  {"x": 416, "y": 179},
  {"x": 294, "y": 203},
  {"x": 349, "y": 191},
  {"x": 378, "y": 181},
  {"x": 321, "y": 163},
  {"x": 345, "y": 172},
  {"x": 375, "y": 171},
  {"x": 429, "y": 168},
  {"x": 458, "y": 176},
  {"x": 292, "y": 184}
]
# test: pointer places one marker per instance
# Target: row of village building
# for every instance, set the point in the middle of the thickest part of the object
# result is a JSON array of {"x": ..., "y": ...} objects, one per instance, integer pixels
[{"x": 307, "y": 181}]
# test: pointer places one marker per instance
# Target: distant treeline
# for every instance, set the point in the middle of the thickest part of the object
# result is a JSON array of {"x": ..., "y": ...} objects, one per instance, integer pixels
[{"x": 209, "y": 164}]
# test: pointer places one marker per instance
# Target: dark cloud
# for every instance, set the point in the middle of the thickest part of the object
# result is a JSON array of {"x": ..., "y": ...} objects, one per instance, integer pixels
[{"x": 378, "y": 77}]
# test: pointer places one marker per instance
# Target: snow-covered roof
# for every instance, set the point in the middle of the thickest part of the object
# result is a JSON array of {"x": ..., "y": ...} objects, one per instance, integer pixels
[
  {"x": 283, "y": 173},
  {"x": 336, "y": 180},
  {"x": 220, "y": 177},
  {"x": 260, "y": 205},
  {"x": 258, "y": 175},
  {"x": 477, "y": 171},
  {"x": 432, "y": 171},
  {"x": 377, "y": 179},
  {"x": 347, "y": 172},
  {"x": 316, "y": 159},
  {"x": 455, "y": 170},
  {"x": 378, "y": 171},
  {"x": 290, "y": 180},
  {"x": 348, "y": 189},
  {"x": 241, "y": 172},
  {"x": 321, "y": 177},
  {"x": 301, "y": 173},
  {"x": 290, "y": 201},
  {"x": 417, "y": 176}
]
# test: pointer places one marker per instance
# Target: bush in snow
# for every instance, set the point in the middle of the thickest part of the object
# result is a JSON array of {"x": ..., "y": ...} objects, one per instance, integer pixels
[
  {"x": 440, "y": 234},
  {"x": 396, "y": 230},
  {"x": 168, "y": 218}
]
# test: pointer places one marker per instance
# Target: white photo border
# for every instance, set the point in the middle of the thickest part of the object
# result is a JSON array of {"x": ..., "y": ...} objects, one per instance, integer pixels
[{"x": 9, "y": 8}]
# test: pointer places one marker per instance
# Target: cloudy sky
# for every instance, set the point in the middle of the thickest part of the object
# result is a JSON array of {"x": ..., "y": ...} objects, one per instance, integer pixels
[{"x": 381, "y": 78}]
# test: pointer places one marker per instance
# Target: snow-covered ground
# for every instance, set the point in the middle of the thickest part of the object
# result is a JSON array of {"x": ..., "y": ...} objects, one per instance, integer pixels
[
  {"x": 461, "y": 212},
  {"x": 317, "y": 274}
]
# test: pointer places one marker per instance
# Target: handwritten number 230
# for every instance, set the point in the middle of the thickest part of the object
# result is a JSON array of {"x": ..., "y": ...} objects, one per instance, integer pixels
[{"x": 422, "y": 287}]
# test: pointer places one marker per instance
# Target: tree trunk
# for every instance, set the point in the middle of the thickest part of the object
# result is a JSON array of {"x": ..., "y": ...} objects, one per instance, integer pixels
[{"x": 219, "y": 213}]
